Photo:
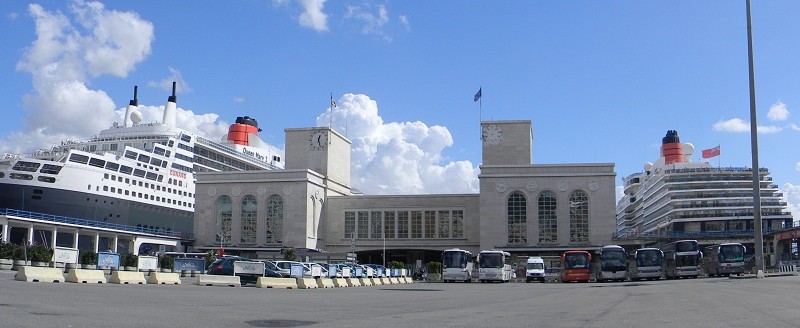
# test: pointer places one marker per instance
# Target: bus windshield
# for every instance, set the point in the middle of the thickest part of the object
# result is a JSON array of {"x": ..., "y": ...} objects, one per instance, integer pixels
[
  {"x": 686, "y": 246},
  {"x": 491, "y": 260},
  {"x": 648, "y": 258},
  {"x": 576, "y": 261},
  {"x": 613, "y": 260},
  {"x": 731, "y": 253},
  {"x": 454, "y": 260},
  {"x": 685, "y": 260}
]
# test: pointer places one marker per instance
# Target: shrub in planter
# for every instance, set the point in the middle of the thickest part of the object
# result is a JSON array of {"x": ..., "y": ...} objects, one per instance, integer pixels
[
  {"x": 129, "y": 260},
  {"x": 210, "y": 258},
  {"x": 40, "y": 253},
  {"x": 397, "y": 265},
  {"x": 166, "y": 262},
  {"x": 7, "y": 251},
  {"x": 88, "y": 257},
  {"x": 434, "y": 267}
]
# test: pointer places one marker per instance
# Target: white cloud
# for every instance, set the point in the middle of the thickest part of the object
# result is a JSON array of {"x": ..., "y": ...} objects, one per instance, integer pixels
[
  {"x": 791, "y": 194},
  {"x": 739, "y": 125},
  {"x": 313, "y": 17},
  {"x": 239, "y": 100},
  {"x": 175, "y": 75},
  {"x": 12, "y": 16},
  {"x": 778, "y": 112},
  {"x": 398, "y": 157},
  {"x": 794, "y": 127},
  {"x": 64, "y": 54},
  {"x": 619, "y": 191},
  {"x": 373, "y": 18},
  {"x": 404, "y": 21}
]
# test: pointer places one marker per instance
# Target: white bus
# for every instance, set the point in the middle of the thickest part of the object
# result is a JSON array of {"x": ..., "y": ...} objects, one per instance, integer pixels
[
  {"x": 646, "y": 264},
  {"x": 613, "y": 264},
  {"x": 681, "y": 259},
  {"x": 724, "y": 259},
  {"x": 456, "y": 265},
  {"x": 494, "y": 265}
]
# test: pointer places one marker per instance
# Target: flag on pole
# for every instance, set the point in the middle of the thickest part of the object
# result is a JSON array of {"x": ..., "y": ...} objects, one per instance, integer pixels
[
  {"x": 712, "y": 152},
  {"x": 478, "y": 95},
  {"x": 333, "y": 103}
]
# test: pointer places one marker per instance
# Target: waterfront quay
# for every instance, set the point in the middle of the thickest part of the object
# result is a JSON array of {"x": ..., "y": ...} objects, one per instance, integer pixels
[{"x": 702, "y": 302}]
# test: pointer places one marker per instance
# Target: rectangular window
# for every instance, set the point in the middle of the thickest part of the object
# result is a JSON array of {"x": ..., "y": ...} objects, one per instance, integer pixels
[
  {"x": 130, "y": 154},
  {"x": 50, "y": 169},
  {"x": 430, "y": 224},
  {"x": 444, "y": 224},
  {"x": 78, "y": 158},
  {"x": 96, "y": 162},
  {"x": 125, "y": 169},
  {"x": 402, "y": 224},
  {"x": 458, "y": 224},
  {"x": 349, "y": 224},
  {"x": 111, "y": 166},
  {"x": 416, "y": 224},
  {"x": 26, "y": 166},
  {"x": 388, "y": 224},
  {"x": 139, "y": 173},
  {"x": 363, "y": 225},
  {"x": 376, "y": 224},
  {"x": 144, "y": 158}
]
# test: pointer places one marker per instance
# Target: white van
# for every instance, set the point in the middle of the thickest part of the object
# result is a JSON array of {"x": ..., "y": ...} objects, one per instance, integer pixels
[{"x": 534, "y": 269}]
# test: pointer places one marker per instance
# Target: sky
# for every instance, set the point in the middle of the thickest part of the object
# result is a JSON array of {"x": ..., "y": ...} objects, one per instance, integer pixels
[{"x": 601, "y": 81}]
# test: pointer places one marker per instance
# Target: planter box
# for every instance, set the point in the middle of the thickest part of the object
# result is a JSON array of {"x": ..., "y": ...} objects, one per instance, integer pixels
[{"x": 6, "y": 264}]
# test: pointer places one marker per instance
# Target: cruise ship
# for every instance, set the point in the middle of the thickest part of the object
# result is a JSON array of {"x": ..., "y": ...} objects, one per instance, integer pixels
[
  {"x": 133, "y": 173},
  {"x": 677, "y": 197}
]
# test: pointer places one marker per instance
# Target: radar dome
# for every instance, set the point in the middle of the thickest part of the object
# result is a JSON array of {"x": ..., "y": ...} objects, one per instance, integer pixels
[
  {"x": 648, "y": 166},
  {"x": 688, "y": 149},
  {"x": 136, "y": 116}
]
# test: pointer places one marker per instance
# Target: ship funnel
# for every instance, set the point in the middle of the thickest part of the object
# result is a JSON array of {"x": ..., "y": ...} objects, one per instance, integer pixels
[
  {"x": 239, "y": 132},
  {"x": 671, "y": 148},
  {"x": 131, "y": 109},
  {"x": 170, "y": 108}
]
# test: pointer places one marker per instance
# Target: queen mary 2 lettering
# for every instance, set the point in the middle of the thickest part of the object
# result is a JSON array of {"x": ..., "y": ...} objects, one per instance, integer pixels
[{"x": 133, "y": 173}]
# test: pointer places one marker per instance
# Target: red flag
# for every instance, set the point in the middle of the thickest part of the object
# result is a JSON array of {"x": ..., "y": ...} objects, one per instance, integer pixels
[{"x": 708, "y": 153}]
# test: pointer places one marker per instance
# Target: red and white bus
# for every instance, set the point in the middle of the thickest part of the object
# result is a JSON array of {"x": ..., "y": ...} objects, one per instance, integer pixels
[{"x": 577, "y": 266}]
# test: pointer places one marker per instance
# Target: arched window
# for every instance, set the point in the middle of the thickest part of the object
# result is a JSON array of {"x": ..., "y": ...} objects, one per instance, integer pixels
[
  {"x": 517, "y": 212},
  {"x": 548, "y": 220},
  {"x": 578, "y": 217},
  {"x": 249, "y": 215},
  {"x": 224, "y": 212},
  {"x": 274, "y": 220}
]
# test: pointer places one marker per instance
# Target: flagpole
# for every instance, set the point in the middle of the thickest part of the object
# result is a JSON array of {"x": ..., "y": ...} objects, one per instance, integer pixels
[
  {"x": 330, "y": 118},
  {"x": 758, "y": 234}
]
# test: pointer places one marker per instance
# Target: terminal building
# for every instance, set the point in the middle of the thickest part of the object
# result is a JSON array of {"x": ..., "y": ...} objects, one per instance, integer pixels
[{"x": 310, "y": 206}]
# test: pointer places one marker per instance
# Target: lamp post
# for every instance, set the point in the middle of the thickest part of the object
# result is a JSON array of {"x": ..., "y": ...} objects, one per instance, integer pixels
[{"x": 758, "y": 238}]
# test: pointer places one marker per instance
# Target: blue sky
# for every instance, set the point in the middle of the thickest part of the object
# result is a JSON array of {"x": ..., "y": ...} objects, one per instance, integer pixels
[{"x": 601, "y": 81}]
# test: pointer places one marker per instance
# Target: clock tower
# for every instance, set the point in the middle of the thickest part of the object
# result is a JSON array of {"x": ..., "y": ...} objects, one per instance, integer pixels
[
  {"x": 319, "y": 149},
  {"x": 506, "y": 142}
]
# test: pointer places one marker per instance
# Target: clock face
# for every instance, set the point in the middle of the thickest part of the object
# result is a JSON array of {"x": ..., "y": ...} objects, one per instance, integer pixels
[
  {"x": 318, "y": 140},
  {"x": 492, "y": 134}
]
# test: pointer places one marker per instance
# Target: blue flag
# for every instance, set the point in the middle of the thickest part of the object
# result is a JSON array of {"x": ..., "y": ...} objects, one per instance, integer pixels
[{"x": 478, "y": 95}]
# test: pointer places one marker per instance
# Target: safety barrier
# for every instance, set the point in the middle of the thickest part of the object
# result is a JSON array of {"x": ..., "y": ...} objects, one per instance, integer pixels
[
  {"x": 340, "y": 282},
  {"x": 306, "y": 283},
  {"x": 353, "y": 282},
  {"x": 127, "y": 278},
  {"x": 787, "y": 269},
  {"x": 270, "y": 282},
  {"x": 39, "y": 274},
  {"x": 325, "y": 283},
  {"x": 364, "y": 281},
  {"x": 164, "y": 278},
  {"x": 375, "y": 281},
  {"x": 385, "y": 281},
  {"x": 214, "y": 280},
  {"x": 86, "y": 276},
  {"x": 393, "y": 280},
  {"x": 408, "y": 280}
]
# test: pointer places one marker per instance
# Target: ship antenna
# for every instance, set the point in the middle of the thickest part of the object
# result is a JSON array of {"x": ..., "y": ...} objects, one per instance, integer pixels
[
  {"x": 135, "y": 100},
  {"x": 173, "y": 98}
]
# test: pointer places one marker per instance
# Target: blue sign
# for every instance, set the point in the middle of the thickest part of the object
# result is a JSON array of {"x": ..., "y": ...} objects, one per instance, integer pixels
[
  {"x": 380, "y": 272},
  {"x": 108, "y": 259},
  {"x": 296, "y": 271},
  {"x": 359, "y": 272},
  {"x": 188, "y": 264},
  {"x": 332, "y": 271}
]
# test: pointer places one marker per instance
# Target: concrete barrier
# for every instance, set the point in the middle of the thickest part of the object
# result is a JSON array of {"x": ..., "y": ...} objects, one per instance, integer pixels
[
  {"x": 385, "y": 281},
  {"x": 325, "y": 283},
  {"x": 340, "y": 282},
  {"x": 306, "y": 283},
  {"x": 164, "y": 278},
  {"x": 375, "y": 281},
  {"x": 352, "y": 282},
  {"x": 127, "y": 278},
  {"x": 39, "y": 274},
  {"x": 86, "y": 276},
  {"x": 270, "y": 282},
  {"x": 393, "y": 281},
  {"x": 787, "y": 269},
  {"x": 214, "y": 280},
  {"x": 365, "y": 281},
  {"x": 408, "y": 280}
]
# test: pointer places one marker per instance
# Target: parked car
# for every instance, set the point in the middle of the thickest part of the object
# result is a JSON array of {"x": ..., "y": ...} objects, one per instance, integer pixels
[
  {"x": 286, "y": 267},
  {"x": 378, "y": 268},
  {"x": 224, "y": 267},
  {"x": 272, "y": 270}
]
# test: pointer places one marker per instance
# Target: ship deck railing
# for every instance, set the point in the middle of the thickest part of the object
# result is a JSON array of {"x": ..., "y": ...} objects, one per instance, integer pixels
[
  {"x": 94, "y": 224},
  {"x": 697, "y": 234}
]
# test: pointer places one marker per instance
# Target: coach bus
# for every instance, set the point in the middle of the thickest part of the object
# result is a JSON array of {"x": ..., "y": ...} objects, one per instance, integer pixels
[
  {"x": 681, "y": 259},
  {"x": 724, "y": 259},
  {"x": 646, "y": 263},
  {"x": 577, "y": 266},
  {"x": 612, "y": 264},
  {"x": 494, "y": 265},
  {"x": 456, "y": 265}
]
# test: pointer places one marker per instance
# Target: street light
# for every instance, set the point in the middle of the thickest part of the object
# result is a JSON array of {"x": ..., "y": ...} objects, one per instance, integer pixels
[{"x": 759, "y": 238}]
